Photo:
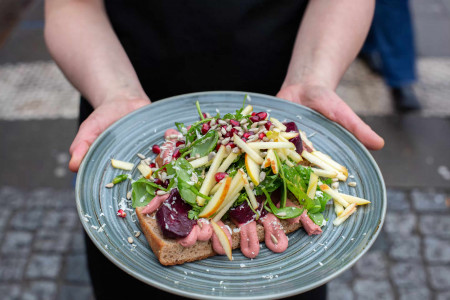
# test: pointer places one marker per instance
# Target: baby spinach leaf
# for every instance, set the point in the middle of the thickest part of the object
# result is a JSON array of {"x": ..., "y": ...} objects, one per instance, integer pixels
[
  {"x": 316, "y": 218},
  {"x": 270, "y": 183},
  {"x": 205, "y": 144},
  {"x": 142, "y": 193},
  {"x": 296, "y": 185},
  {"x": 282, "y": 213}
]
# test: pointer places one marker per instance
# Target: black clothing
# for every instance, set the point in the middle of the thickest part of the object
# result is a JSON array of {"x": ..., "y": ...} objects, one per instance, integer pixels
[{"x": 179, "y": 47}]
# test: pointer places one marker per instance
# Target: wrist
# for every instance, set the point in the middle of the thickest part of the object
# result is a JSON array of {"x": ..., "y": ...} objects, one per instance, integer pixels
[{"x": 126, "y": 100}]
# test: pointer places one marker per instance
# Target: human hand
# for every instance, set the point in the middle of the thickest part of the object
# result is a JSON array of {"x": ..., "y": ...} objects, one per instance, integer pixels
[
  {"x": 329, "y": 104},
  {"x": 102, "y": 117}
]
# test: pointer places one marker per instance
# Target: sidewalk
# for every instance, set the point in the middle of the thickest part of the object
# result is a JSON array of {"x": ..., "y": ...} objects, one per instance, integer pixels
[{"x": 41, "y": 246}]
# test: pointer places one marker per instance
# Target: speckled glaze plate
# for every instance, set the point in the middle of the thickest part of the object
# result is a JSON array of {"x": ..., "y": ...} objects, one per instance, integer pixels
[{"x": 309, "y": 261}]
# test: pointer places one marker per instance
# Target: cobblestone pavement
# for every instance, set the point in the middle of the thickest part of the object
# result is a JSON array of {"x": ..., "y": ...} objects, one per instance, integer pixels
[{"x": 42, "y": 252}]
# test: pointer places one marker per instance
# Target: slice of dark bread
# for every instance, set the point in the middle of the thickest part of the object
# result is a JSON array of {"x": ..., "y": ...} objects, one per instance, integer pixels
[{"x": 170, "y": 252}]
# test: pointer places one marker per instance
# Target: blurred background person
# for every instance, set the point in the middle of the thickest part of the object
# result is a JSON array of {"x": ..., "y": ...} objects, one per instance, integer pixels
[{"x": 389, "y": 51}]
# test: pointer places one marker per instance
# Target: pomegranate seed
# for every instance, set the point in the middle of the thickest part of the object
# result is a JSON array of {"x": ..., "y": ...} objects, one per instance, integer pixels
[
  {"x": 234, "y": 123},
  {"x": 205, "y": 128},
  {"x": 165, "y": 184},
  {"x": 158, "y": 181},
  {"x": 219, "y": 176},
  {"x": 204, "y": 115},
  {"x": 176, "y": 153},
  {"x": 121, "y": 213},
  {"x": 179, "y": 143},
  {"x": 253, "y": 114},
  {"x": 152, "y": 165},
  {"x": 267, "y": 125},
  {"x": 218, "y": 146},
  {"x": 255, "y": 119},
  {"x": 156, "y": 149},
  {"x": 246, "y": 135},
  {"x": 244, "y": 139},
  {"x": 262, "y": 135},
  {"x": 231, "y": 144},
  {"x": 262, "y": 115}
]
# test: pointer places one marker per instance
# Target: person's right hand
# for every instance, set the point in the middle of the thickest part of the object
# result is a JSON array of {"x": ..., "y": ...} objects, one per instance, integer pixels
[{"x": 102, "y": 117}]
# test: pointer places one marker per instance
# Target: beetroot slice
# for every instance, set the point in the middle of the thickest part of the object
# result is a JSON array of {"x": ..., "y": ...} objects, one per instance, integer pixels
[
  {"x": 172, "y": 217},
  {"x": 297, "y": 141},
  {"x": 243, "y": 213}
]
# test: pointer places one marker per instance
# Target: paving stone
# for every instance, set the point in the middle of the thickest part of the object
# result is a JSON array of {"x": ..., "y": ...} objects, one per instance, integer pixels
[
  {"x": 27, "y": 219},
  {"x": 78, "y": 245},
  {"x": 435, "y": 225},
  {"x": 75, "y": 292},
  {"x": 444, "y": 295},
  {"x": 381, "y": 243},
  {"x": 5, "y": 215},
  {"x": 397, "y": 201},
  {"x": 12, "y": 268},
  {"x": 373, "y": 290},
  {"x": 76, "y": 269},
  {"x": 17, "y": 243},
  {"x": 11, "y": 197},
  {"x": 52, "y": 240},
  {"x": 417, "y": 293},
  {"x": 429, "y": 201},
  {"x": 405, "y": 248},
  {"x": 408, "y": 274},
  {"x": 44, "y": 266},
  {"x": 337, "y": 290},
  {"x": 40, "y": 290},
  {"x": 50, "y": 198},
  {"x": 400, "y": 224},
  {"x": 439, "y": 277},
  {"x": 437, "y": 250},
  {"x": 346, "y": 276},
  {"x": 372, "y": 265},
  {"x": 65, "y": 219},
  {"x": 10, "y": 291}
]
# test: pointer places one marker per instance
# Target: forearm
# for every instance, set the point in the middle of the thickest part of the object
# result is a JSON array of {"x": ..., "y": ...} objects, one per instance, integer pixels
[
  {"x": 330, "y": 36},
  {"x": 84, "y": 45}
]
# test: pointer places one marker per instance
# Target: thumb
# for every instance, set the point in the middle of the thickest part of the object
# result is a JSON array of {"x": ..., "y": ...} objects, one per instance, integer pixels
[
  {"x": 89, "y": 130},
  {"x": 102, "y": 117}
]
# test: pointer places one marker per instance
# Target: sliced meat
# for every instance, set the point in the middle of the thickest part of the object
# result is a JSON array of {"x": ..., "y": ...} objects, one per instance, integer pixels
[
  {"x": 274, "y": 236},
  {"x": 310, "y": 227}
]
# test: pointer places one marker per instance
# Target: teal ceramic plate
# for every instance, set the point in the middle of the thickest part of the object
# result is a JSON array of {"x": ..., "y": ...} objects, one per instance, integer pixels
[{"x": 310, "y": 261}]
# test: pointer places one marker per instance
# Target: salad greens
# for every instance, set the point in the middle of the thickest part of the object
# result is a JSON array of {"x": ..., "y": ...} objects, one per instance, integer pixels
[
  {"x": 143, "y": 192},
  {"x": 292, "y": 179}
]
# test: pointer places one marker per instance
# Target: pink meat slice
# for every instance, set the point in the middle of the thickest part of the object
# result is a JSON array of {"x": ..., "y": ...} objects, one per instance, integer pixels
[
  {"x": 167, "y": 148},
  {"x": 249, "y": 239},
  {"x": 191, "y": 239},
  {"x": 155, "y": 204},
  {"x": 205, "y": 231},
  {"x": 310, "y": 227},
  {"x": 273, "y": 227}
]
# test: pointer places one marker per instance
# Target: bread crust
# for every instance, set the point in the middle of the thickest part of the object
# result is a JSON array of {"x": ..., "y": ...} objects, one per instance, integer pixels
[{"x": 169, "y": 252}]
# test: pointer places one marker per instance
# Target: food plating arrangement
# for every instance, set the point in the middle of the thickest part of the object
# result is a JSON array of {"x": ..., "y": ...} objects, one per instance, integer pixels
[{"x": 232, "y": 181}]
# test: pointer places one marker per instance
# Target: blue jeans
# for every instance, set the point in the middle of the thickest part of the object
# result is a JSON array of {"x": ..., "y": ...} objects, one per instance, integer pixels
[{"x": 391, "y": 37}]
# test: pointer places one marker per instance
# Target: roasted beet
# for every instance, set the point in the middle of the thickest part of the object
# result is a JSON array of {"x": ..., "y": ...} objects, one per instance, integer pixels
[
  {"x": 297, "y": 141},
  {"x": 172, "y": 217},
  {"x": 243, "y": 213}
]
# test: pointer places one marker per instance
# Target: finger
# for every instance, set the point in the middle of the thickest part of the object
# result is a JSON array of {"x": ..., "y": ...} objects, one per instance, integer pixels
[
  {"x": 89, "y": 130},
  {"x": 78, "y": 154},
  {"x": 341, "y": 113}
]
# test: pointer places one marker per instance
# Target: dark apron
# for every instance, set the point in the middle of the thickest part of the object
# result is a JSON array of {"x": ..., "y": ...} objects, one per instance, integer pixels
[{"x": 178, "y": 47}]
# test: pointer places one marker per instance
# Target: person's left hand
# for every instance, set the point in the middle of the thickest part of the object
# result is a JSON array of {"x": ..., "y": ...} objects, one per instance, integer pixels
[{"x": 329, "y": 104}]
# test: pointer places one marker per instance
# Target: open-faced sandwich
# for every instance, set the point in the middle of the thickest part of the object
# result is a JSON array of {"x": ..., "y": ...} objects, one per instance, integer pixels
[{"x": 233, "y": 181}]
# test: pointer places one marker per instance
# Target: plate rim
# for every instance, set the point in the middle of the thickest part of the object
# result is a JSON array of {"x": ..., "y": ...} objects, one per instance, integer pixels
[{"x": 179, "y": 292}]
